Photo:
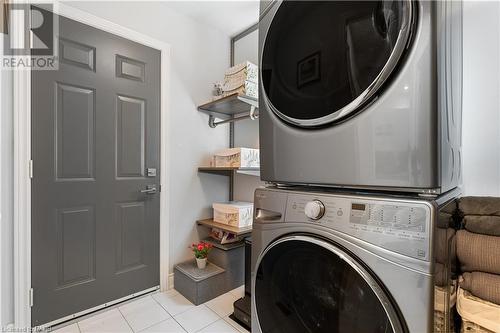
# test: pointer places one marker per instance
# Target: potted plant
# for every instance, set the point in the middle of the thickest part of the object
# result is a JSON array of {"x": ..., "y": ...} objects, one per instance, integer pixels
[{"x": 201, "y": 251}]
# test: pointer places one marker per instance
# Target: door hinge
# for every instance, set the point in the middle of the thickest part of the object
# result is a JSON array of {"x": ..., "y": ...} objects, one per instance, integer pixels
[
  {"x": 31, "y": 168},
  {"x": 31, "y": 297}
]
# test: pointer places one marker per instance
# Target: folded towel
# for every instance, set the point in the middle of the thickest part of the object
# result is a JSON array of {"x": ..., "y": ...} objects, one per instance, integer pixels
[
  {"x": 479, "y": 205},
  {"x": 483, "y": 224},
  {"x": 477, "y": 252},
  {"x": 483, "y": 285}
]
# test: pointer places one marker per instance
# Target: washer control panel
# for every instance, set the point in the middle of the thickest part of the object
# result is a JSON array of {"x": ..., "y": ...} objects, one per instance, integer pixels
[{"x": 396, "y": 225}]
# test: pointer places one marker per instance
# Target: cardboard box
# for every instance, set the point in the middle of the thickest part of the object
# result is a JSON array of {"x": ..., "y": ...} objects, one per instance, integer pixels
[
  {"x": 234, "y": 213},
  {"x": 237, "y": 157},
  {"x": 245, "y": 71},
  {"x": 247, "y": 88}
]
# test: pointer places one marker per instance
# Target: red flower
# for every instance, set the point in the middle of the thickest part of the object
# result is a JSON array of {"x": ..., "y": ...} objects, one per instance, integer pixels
[{"x": 200, "y": 247}]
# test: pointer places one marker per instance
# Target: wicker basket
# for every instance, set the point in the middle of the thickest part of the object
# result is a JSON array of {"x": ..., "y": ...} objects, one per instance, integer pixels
[
  {"x": 477, "y": 315},
  {"x": 470, "y": 327}
]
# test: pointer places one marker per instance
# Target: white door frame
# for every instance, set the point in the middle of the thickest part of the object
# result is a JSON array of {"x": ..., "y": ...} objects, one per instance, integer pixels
[{"x": 22, "y": 164}]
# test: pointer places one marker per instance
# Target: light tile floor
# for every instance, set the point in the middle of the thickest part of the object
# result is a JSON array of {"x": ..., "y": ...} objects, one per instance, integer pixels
[{"x": 168, "y": 312}]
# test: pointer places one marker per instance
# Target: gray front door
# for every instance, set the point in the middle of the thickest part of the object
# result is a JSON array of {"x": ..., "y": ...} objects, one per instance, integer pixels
[{"x": 95, "y": 146}]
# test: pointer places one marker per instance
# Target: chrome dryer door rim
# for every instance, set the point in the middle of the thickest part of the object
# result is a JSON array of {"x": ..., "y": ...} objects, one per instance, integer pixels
[
  {"x": 356, "y": 105},
  {"x": 347, "y": 258}
]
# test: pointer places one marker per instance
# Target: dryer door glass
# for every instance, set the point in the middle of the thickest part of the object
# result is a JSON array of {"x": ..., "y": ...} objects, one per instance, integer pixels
[
  {"x": 324, "y": 60},
  {"x": 302, "y": 286}
]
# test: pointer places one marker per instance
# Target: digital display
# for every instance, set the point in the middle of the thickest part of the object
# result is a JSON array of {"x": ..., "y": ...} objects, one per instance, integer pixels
[{"x": 358, "y": 206}]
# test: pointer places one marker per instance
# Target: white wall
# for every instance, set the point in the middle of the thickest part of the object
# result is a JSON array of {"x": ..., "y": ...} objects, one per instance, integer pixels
[{"x": 481, "y": 99}]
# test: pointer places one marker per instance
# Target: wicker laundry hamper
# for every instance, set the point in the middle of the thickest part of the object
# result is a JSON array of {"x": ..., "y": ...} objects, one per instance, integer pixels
[
  {"x": 477, "y": 315},
  {"x": 470, "y": 327},
  {"x": 440, "y": 311}
]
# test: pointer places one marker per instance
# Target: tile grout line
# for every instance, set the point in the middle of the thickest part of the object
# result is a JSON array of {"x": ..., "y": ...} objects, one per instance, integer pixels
[
  {"x": 151, "y": 324},
  {"x": 161, "y": 307},
  {"x": 179, "y": 324},
  {"x": 211, "y": 322},
  {"x": 164, "y": 309},
  {"x": 168, "y": 311},
  {"x": 78, "y": 326},
  {"x": 171, "y": 316},
  {"x": 154, "y": 324},
  {"x": 233, "y": 299},
  {"x": 118, "y": 308}
]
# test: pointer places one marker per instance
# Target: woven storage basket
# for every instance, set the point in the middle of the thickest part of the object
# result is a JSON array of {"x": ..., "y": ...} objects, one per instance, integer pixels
[
  {"x": 477, "y": 315},
  {"x": 470, "y": 327},
  {"x": 440, "y": 318},
  {"x": 440, "y": 322}
]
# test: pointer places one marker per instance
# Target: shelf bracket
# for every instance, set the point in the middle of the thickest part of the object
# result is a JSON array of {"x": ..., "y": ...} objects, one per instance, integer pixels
[
  {"x": 253, "y": 115},
  {"x": 225, "y": 108},
  {"x": 213, "y": 124}
]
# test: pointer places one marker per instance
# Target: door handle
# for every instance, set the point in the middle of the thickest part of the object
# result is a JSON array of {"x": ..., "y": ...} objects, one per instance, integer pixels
[{"x": 150, "y": 189}]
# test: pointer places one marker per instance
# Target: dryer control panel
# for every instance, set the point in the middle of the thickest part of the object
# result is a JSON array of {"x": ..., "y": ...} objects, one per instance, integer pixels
[{"x": 396, "y": 225}]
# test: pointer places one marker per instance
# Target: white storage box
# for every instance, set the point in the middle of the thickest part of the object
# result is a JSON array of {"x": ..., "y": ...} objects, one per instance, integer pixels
[
  {"x": 237, "y": 157},
  {"x": 235, "y": 213},
  {"x": 247, "y": 88},
  {"x": 242, "y": 72}
]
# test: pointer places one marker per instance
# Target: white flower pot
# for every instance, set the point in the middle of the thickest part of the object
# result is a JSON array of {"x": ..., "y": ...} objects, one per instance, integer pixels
[{"x": 202, "y": 263}]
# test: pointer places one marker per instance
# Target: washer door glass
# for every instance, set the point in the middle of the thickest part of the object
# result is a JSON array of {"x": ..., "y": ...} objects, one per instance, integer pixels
[
  {"x": 302, "y": 286},
  {"x": 324, "y": 60}
]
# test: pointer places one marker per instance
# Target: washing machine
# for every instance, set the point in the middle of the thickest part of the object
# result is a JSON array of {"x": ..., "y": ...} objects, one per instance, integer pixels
[
  {"x": 343, "y": 262},
  {"x": 361, "y": 94}
]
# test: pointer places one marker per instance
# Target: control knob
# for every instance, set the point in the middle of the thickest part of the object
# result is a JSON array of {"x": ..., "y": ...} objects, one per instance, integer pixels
[{"x": 314, "y": 209}]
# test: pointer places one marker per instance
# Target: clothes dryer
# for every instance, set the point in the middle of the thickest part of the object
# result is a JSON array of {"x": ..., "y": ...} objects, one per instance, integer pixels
[{"x": 361, "y": 94}]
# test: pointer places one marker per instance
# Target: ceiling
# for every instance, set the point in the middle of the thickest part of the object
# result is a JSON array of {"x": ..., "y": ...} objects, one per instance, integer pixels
[{"x": 230, "y": 17}]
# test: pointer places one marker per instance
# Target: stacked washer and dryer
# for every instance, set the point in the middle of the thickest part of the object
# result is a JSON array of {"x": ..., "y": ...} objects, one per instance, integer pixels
[{"x": 360, "y": 135}]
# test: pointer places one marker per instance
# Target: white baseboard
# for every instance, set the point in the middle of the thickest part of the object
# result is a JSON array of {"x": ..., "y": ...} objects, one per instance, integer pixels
[{"x": 170, "y": 281}]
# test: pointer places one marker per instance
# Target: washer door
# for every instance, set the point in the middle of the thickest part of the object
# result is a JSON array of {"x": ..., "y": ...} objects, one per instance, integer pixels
[
  {"x": 325, "y": 60},
  {"x": 304, "y": 284}
]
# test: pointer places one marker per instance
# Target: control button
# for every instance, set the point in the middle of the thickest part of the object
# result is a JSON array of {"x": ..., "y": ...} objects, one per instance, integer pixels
[{"x": 314, "y": 209}]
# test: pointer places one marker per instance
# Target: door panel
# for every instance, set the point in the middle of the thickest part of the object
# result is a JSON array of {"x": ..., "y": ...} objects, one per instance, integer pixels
[
  {"x": 130, "y": 68},
  {"x": 130, "y": 244},
  {"x": 75, "y": 239},
  {"x": 75, "y": 132},
  {"x": 74, "y": 53},
  {"x": 130, "y": 141},
  {"x": 95, "y": 130}
]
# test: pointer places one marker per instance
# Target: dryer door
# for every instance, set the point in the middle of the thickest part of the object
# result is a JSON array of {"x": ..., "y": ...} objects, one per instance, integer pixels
[
  {"x": 304, "y": 284},
  {"x": 325, "y": 60}
]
